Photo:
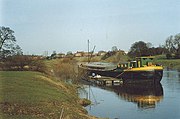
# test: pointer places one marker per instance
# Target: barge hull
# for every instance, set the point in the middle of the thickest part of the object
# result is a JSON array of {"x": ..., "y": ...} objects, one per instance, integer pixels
[{"x": 131, "y": 76}]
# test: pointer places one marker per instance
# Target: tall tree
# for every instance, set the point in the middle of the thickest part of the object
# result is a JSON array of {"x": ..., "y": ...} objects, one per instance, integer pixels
[
  {"x": 137, "y": 49},
  {"x": 7, "y": 37},
  {"x": 114, "y": 48},
  {"x": 53, "y": 55},
  {"x": 177, "y": 41},
  {"x": 8, "y": 46},
  {"x": 173, "y": 45},
  {"x": 177, "y": 45},
  {"x": 169, "y": 44}
]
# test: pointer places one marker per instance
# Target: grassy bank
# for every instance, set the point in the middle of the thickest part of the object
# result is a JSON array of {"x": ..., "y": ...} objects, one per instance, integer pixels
[
  {"x": 170, "y": 63},
  {"x": 34, "y": 95}
]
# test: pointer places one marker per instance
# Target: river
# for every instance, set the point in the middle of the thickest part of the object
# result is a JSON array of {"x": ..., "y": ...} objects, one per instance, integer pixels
[{"x": 159, "y": 101}]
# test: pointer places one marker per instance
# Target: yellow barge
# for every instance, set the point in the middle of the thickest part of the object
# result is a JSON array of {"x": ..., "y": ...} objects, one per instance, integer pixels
[{"x": 140, "y": 70}]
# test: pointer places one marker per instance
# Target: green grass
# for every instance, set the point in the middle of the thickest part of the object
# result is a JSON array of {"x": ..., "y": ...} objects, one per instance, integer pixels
[
  {"x": 34, "y": 95},
  {"x": 171, "y": 63}
]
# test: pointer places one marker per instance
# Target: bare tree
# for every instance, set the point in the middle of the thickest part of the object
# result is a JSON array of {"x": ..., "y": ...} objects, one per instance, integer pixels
[
  {"x": 177, "y": 41},
  {"x": 6, "y": 37},
  {"x": 169, "y": 44},
  {"x": 114, "y": 48},
  {"x": 173, "y": 45},
  {"x": 8, "y": 46}
]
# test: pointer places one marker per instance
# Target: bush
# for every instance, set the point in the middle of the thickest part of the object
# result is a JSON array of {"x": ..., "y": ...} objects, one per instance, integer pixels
[
  {"x": 177, "y": 55},
  {"x": 168, "y": 56},
  {"x": 23, "y": 63},
  {"x": 38, "y": 65},
  {"x": 65, "y": 69}
]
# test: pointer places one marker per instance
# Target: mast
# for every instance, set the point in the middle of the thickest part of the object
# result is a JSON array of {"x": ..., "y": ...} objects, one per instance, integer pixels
[
  {"x": 88, "y": 50},
  {"x": 90, "y": 53}
]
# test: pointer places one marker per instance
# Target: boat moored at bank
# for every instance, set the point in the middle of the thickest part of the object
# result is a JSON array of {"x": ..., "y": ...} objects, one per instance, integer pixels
[{"x": 139, "y": 70}]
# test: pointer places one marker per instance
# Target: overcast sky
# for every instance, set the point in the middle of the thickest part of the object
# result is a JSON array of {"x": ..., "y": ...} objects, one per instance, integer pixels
[{"x": 66, "y": 25}]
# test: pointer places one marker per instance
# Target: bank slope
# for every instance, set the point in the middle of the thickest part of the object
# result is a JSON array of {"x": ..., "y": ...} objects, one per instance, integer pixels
[{"x": 34, "y": 95}]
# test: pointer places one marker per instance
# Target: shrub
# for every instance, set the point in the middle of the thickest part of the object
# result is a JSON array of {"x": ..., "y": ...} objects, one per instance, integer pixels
[
  {"x": 23, "y": 63},
  {"x": 65, "y": 69},
  {"x": 168, "y": 56}
]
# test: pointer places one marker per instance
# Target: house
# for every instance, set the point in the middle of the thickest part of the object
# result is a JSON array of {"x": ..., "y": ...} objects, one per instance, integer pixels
[
  {"x": 79, "y": 54},
  {"x": 60, "y": 55},
  {"x": 101, "y": 53},
  {"x": 86, "y": 54}
]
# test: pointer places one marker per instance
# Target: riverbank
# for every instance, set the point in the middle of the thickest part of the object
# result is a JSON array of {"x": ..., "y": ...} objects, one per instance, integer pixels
[
  {"x": 33, "y": 95},
  {"x": 168, "y": 63}
]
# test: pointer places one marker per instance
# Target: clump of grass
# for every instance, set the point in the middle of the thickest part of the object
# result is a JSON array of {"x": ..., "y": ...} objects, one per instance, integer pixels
[
  {"x": 65, "y": 69},
  {"x": 84, "y": 102}
]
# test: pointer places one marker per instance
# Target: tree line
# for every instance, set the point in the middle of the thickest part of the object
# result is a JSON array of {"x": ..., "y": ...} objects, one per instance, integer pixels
[{"x": 171, "y": 48}]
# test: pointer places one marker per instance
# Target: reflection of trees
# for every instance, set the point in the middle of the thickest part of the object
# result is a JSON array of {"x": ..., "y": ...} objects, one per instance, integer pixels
[
  {"x": 146, "y": 96},
  {"x": 172, "y": 78},
  {"x": 172, "y": 74}
]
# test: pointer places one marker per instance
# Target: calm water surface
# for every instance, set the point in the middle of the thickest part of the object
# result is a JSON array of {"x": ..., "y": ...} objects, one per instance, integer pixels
[{"x": 161, "y": 101}]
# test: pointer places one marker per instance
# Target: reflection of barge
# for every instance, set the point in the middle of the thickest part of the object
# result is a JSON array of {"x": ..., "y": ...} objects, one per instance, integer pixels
[
  {"x": 140, "y": 70},
  {"x": 146, "y": 96}
]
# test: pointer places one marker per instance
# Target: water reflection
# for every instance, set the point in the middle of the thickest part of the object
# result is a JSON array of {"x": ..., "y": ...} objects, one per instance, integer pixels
[
  {"x": 171, "y": 74},
  {"x": 146, "y": 95},
  {"x": 137, "y": 101}
]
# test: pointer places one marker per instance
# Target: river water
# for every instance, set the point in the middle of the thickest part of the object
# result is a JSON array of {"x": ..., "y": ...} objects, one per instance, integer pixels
[{"x": 160, "y": 101}]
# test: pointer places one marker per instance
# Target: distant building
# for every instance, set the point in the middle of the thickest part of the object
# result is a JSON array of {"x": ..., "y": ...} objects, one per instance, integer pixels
[
  {"x": 79, "y": 54},
  {"x": 101, "y": 53},
  {"x": 60, "y": 55},
  {"x": 83, "y": 54},
  {"x": 45, "y": 54},
  {"x": 86, "y": 54}
]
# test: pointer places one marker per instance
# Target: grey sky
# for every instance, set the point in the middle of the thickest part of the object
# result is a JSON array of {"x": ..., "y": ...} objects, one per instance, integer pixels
[{"x": 66, "y": 25}]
